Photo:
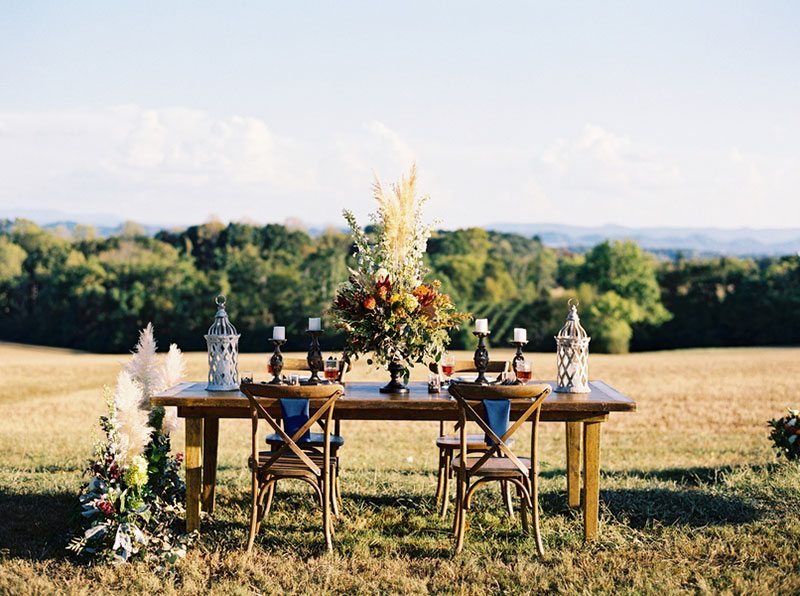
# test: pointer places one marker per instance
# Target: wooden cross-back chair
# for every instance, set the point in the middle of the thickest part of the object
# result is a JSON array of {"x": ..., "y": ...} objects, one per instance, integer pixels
[
  {"x": 289, "y": 459},
  {"x": 314, "y": 442},
  {"x": 498, "y": 462},
  {"x": 448, "y": 443}
]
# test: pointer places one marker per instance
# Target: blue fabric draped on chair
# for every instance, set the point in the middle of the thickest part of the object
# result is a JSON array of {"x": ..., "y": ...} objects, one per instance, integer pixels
[
  {"x": 295, "y": 415},
  {"x": 498, "y": 415}
]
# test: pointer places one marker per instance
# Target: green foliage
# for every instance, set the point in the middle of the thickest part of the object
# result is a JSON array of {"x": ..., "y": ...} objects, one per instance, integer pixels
[
  {"x": 99, "y": 290},
  {"x": 12, "y": 257},
  {"x": 630, "y": 273}
]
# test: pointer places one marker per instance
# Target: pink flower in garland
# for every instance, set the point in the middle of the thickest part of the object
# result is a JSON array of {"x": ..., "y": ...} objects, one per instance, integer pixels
[{"x": 107, "y": 508}]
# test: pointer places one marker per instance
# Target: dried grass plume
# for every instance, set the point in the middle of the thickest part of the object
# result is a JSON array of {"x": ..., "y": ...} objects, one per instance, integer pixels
[{"x": 133, "y": 430}]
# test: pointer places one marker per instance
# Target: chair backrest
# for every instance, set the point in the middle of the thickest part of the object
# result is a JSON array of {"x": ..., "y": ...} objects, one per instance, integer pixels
[
  {"x": 494, "y": 366},
  {"x": 264, "y": 397},
  {"x": 471, "y": 399},
  {"x": 301, "y": 364}
]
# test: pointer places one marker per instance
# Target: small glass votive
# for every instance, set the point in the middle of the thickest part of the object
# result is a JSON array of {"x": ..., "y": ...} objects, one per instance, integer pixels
[
  {"x": 294, "y": 379},
  {"x": 247, "y": 376},
  {"x": 434, "y": 383}
]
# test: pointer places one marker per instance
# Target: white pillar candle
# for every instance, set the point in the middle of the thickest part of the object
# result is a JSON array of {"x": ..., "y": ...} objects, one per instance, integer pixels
[
  {"x": 314, "y": 324},
  {"x": 279, "y": 333},
  {"x": 481, "y": 325},
  {"x": 520, "y": 334}
]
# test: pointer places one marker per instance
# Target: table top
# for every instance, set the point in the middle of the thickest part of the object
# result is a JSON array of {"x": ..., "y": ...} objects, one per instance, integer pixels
[{"x": 362, "y": 400}]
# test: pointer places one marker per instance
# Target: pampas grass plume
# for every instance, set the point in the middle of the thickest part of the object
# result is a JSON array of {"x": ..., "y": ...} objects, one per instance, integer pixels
[{"x": 133, "y": 431}]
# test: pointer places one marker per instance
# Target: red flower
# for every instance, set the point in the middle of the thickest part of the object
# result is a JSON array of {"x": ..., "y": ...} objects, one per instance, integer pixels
[
  {"x": 370, "y": 303},
  {"x": 106, "y": 507},
  {"x": 424, "y": 295},
  {"x": 383, "y": 287},
  {"x": 179, "y": 457}
]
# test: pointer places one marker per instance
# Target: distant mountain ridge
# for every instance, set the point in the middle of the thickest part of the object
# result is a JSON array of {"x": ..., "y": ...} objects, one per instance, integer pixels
[
  {"x": 662, "y": 240},
  {"x": 696, "y": 241}
]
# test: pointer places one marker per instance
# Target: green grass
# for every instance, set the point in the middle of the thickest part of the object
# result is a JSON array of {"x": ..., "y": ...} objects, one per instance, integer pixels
[{"x": 692, "y": 496}]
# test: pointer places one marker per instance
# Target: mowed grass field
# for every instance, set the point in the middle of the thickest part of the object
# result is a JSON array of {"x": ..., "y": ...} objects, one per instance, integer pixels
[{"x": 692, "y": 498}]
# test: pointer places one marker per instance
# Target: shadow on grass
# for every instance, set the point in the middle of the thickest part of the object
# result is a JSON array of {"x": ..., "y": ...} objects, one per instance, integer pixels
[
  {"x": 409, "y": 524},
  {"x": 36, "y": 526},
  {"x": 696, "y": 476},
  {"x": 639, "y": 508}
]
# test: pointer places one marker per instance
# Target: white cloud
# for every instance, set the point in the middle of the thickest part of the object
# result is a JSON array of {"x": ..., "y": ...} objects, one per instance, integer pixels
[{"x": 179, "y": 164}]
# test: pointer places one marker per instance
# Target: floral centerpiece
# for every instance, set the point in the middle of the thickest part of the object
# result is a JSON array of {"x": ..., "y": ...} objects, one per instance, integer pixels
[
  {"x": 132, "y": 505},
  {"x": 785, "y": 435},
  {"x": 385, "y": 307}
]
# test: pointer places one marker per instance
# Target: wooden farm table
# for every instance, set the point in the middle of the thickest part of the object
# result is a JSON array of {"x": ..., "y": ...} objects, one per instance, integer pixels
[{"x": 362, "y": 401}]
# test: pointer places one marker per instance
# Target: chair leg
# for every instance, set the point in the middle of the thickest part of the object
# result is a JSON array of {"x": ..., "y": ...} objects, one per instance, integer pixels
[
  {"x": 338, "y": 494},
  {"x": 253, "y": 514},
  {"x": 457, "y": 508},
  {"x": 268, "y": 503},
  {"x": 326, "y": 509},
  {"x": 462, "y": 513},
  {"x": 533, "y": 485},
  {"x": 441, "y": 479},
  {"x": 446, "y": 483},
  {"x": 334, "y": 500},
  {"x": 523, "y": 509},
  {"x": 505, "y": 488}
]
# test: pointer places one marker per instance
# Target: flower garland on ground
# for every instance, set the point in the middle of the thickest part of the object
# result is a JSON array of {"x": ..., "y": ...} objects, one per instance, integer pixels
[
  {"x": 385, "y": 307},
  {"x": 132, "y": 507},
  {"x": 785, "y": 435}
]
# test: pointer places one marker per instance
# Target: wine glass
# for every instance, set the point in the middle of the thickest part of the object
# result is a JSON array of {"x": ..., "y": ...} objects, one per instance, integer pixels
[
  {"x": 524, "y": 371},
  {"x": 448, "y": 366},
  {"x": 331, "y": 369},
  {"x": 434, "y": 383},
  {"x": 247, "y": 376}
]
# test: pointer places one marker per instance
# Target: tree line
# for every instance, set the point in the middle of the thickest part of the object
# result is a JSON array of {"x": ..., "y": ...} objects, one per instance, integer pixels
[{"x": 80, "y": 291}]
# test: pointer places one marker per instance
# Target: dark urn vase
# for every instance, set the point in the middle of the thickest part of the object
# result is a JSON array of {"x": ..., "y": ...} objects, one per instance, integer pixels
[{"x": 395, "y": 385}]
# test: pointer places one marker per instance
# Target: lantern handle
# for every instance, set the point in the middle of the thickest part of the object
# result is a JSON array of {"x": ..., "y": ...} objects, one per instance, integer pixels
[
  {"x": 220, "y": 300},
  {"x": 573, "y": 302}
]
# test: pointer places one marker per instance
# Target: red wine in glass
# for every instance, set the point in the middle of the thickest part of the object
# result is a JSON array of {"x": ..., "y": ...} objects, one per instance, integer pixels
[
  {"x": 524, "y": 375},
  {"x": 331, "y": 374},
  {"x": 447, "y": 369}
]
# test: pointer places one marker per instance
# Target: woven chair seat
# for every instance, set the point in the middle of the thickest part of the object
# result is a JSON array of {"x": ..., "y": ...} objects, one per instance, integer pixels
[
  {"x": 474, "y": 441},
  {"x": 315, "y": 440},
  {"x": 494, "y": 466},
  {"x": 290, "y": 466}
]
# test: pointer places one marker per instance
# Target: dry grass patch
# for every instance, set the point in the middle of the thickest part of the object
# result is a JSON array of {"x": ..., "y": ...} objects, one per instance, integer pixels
[{"x": 692, "y": 499}]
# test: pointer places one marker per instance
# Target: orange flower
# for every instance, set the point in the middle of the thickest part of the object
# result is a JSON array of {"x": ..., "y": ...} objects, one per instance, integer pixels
[
  {"x": 424, "y": 294},
  {"x": 370, "y": 303}
]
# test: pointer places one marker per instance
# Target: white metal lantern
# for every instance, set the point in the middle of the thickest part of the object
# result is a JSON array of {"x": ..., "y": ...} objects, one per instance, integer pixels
[
  {"x": 572, "y": 354},
  {"x": 223, "y": 352}
]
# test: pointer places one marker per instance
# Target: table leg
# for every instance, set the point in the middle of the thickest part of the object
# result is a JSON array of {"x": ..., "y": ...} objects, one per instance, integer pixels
[
  {"x": 210, "y": 443},
  {"x": 194, "y": 471},
  {"x": 573, "y": 464},
  {"x": 591, "y": 471}
]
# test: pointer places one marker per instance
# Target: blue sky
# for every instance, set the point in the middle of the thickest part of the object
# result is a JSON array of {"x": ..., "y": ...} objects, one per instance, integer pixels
[{"x": 646, "y": 114}]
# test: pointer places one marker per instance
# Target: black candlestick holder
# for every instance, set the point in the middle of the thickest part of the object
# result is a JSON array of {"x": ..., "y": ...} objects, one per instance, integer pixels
[
  {"x": 276, "y": 362},
  {"x": 481, "y": 358},
  {"x": 518, "y": 359},
  {"x": 314, "y": 359}
]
